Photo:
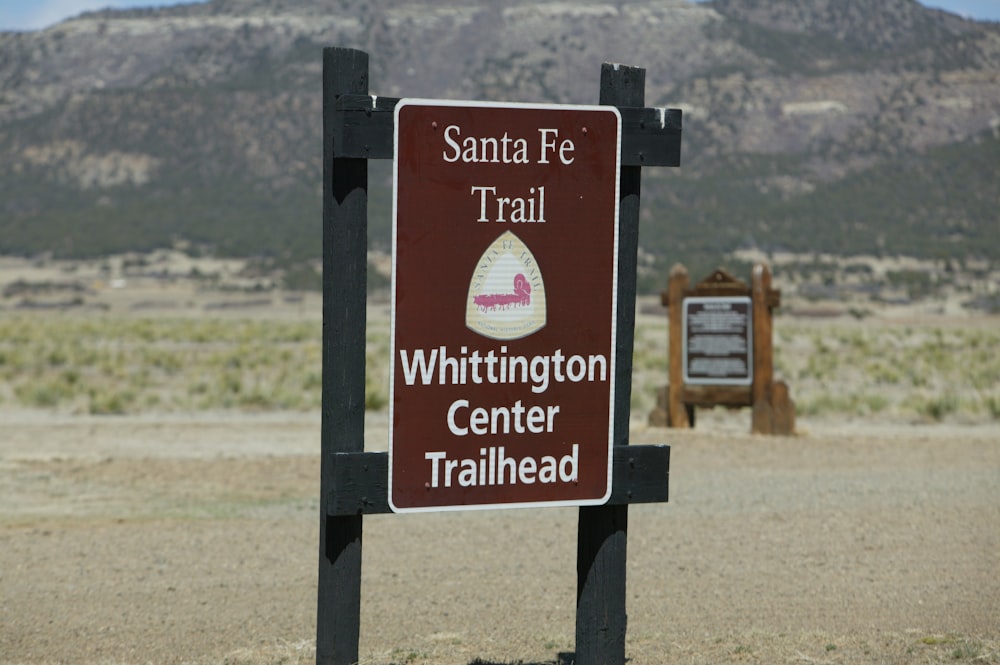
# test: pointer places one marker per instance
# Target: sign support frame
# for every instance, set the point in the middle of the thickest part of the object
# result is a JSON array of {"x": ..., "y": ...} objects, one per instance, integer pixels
[{"x": 357, "y": 127}]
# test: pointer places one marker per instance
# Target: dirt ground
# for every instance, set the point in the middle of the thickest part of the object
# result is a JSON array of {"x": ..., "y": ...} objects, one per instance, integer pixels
[{"x": 174, "y": 539}]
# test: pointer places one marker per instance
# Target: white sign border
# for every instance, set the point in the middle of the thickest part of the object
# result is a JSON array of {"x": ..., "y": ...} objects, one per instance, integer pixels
[{"x": 416, "y": 101}]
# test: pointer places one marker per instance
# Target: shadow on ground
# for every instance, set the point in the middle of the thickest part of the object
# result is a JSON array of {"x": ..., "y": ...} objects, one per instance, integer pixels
[{"x": 562, "y": 658}]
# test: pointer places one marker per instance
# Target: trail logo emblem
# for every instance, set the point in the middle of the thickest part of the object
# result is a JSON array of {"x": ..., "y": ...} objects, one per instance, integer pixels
[{"x": 506, "y": 293}]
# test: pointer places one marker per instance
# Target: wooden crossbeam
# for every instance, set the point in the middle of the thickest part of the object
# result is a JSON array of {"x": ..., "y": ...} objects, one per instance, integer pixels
[
  {"x": 364, "y": 130},
  {"x": 360, "y": 481}
]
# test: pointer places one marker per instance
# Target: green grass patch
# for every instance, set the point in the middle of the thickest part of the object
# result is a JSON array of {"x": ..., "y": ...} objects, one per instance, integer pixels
[
  {"x": 109, "y": 365},
  {"x": 925, "y": 373},
  {"x": 114, "y": 365}
]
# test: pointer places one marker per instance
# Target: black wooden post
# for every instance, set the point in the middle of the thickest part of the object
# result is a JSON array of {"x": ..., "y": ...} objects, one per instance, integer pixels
[
  {"x": 602, "y": 533},
  {"x": 345, "y": 251}
]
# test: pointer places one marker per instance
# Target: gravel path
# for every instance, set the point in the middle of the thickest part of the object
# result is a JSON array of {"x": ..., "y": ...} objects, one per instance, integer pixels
[{"x": 172, "y": 540}]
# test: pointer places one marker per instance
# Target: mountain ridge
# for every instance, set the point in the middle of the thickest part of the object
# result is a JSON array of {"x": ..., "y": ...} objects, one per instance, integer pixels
[{"x": 199, "y": 124}]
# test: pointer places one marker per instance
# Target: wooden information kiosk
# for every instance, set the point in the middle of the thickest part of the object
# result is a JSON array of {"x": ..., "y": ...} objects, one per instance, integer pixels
[{"x": 721, "y": 351}]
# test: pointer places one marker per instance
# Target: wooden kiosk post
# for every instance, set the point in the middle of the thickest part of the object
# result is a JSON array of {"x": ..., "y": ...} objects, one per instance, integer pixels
[
  {"x": 721, "y": 350},
  {"x": 763, "y": 349},
  {"x": 358, "y": 127},
  {"x": 679, "y": 414}
]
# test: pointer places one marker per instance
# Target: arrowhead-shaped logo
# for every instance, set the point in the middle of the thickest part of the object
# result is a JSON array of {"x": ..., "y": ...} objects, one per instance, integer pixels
[{"x": 506, "y": 293}]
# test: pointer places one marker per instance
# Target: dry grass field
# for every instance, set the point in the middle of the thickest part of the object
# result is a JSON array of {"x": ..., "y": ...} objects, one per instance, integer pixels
[
  {"x": 159, "y": 473},
  {"x": 73, "y": 363}
]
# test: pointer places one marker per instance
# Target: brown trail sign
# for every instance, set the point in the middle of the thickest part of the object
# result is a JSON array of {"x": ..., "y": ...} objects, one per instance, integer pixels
[
  {"x": 504, "y": 279},
  {"x": 721, "y": 351},
  {"x": 523, "y": 318}
]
